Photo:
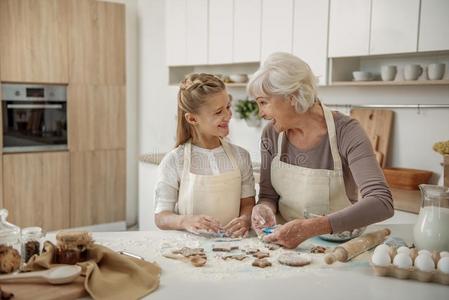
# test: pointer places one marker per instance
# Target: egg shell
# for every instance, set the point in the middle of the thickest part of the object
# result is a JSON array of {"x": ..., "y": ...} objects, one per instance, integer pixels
[
  {"x": 424, "y": 251},
  {"x": 424, "y": 262},
  {"x": 443, "y": 265},
  {"x": 444, "y": 254},
  {"x": 402, "y": 261},
  {"x": 382, "y": 248},
  {"x": 403, "y": 249},
  {"x": 381, "y": 259}
]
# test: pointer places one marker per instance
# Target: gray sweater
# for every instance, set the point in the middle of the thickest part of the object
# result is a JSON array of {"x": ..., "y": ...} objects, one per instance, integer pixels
[{"x": 360, "y": 168}]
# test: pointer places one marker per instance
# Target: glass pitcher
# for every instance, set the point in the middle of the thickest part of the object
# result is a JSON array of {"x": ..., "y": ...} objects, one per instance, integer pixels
[{"x": 431, "y": 231}]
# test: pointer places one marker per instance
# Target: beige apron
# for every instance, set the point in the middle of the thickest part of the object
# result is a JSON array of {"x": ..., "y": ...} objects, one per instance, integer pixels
[
  {"x": 309, "y": 191},
  {"x": 217, "y": 196}
]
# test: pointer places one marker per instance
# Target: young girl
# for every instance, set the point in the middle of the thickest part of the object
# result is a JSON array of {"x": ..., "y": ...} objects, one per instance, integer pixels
[{"x": 205, "y": 184}]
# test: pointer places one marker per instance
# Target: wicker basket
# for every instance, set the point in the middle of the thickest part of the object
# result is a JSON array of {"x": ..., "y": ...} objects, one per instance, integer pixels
[{"x": 408, "y": 179}]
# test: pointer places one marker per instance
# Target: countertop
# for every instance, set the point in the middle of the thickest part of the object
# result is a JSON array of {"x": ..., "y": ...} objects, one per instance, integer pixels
[
  {"x": 352, "y": 280},
  {"x": 404, "y": 200}
]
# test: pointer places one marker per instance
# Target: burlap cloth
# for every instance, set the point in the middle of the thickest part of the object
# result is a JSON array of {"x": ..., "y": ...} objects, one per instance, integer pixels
[{"x": 108, "y": 275}]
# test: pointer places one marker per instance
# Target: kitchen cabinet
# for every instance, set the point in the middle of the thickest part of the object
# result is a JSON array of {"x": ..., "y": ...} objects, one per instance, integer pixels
[
  {"x": 96, "y": 117},
  {"x": 33, "y": 35},
  {"x": 247, "y": 30},
  {"x": 394, "y": 26},
  {"x": 97, "y": 187},
  {"x": 197, "y": 32},
  {"x": 97, "y": 42},
  {"x": 349, "y": 27},
  {"x": 277, "y": 26},
  {"x": 434, "y": 25},
  {"x": 176, "y": 32},
  {"x": 220, "y": 31},
  {"x": 36, "y": 189},
  {"x": 310, "y": 31}
]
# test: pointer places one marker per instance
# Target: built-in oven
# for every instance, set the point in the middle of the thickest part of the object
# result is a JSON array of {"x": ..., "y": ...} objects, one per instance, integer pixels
[{"x": 34, "y": 117}]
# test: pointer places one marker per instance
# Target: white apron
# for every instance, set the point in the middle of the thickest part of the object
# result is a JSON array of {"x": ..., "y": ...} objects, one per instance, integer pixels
[
  {"x": 217, "y": 196},
  {"x": 309, "y": 191}
]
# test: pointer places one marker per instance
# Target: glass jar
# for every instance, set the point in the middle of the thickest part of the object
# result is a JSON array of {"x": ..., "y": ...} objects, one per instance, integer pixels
[
  {"x": 431, "y": 231},
  {"x": 10, "y": 244},
  {"x": 31, "y": 242}
]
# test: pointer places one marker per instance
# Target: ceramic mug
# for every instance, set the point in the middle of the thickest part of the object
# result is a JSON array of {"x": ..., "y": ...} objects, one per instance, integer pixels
[
  {"x": 388, "y": 73},
  {"x": 412, "y": 72},
  {"x": 436, "y": 71}
]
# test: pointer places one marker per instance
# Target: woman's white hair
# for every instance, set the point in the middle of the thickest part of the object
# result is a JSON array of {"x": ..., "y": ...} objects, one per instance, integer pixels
[{"x": 284, "y": 74}]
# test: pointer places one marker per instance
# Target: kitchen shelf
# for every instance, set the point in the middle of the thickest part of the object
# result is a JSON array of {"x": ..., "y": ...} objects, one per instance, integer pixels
[{"x": 390, "y": 83}]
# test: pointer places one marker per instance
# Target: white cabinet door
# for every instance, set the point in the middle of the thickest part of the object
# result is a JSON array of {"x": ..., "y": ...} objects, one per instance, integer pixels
[
  {"x": 197, "y": 32},
  {"x": 394, "y": 26},
  {"x": 220, "y": 31},
  {"x": 175, "y": 26},
  {"x": 277, "y": 26},
  {"x": 310, "y": 35},
  {"x": 247, "y": 25},
  {"x": 434, "y": 25},
  {"x": 349, "y": 27}
]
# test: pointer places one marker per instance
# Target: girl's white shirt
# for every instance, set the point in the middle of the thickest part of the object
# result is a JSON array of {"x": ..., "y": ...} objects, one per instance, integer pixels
[{"x": 203, "y": 162}]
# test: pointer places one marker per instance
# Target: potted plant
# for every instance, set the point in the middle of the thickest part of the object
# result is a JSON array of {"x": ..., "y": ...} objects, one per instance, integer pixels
[
  {"x": 443, "y": 149},
  {"x": 248, "y": 111}
]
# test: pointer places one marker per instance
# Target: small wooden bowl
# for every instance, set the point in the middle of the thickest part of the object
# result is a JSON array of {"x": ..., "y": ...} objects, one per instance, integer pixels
[{"x": 408, "y": 179}]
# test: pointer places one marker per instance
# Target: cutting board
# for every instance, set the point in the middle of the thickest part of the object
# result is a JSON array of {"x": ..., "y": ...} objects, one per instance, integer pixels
[
  {"x": 377, "y": 124},
  {"x": 45, "y": 291}
]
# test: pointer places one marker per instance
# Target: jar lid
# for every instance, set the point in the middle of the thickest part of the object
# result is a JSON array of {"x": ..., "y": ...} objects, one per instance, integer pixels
[{"x": 32, "y": 232}]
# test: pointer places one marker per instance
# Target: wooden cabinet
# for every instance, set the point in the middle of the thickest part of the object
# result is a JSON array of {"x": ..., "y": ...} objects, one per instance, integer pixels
[
  {"x": 176, "y": 32},
  {"x": 310, "y": 31},
  {"x": 197, "y": 32},
  {"x": 36, "y": 189},
  {"x": 97, "y": 42},
  {"x": 434, "y": 25},
  {"x": 96, "y": 117},
  {"x": 97, "y": 187},
  {"x": 277, "y": 26},
  {"x": 247, "y": 30},
  {"x": 349, "y": 27},
  {"x": 394, "y": 26},
  {"x": 33, "y": 35},
  {"x": 220, "y": 31}
]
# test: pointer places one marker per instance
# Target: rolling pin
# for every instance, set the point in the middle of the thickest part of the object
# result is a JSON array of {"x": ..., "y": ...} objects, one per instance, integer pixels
[{"x": 352, "y": 248}]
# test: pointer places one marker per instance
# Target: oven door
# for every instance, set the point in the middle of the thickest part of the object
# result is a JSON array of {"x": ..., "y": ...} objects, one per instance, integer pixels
[{"x": 34, "y": 126}]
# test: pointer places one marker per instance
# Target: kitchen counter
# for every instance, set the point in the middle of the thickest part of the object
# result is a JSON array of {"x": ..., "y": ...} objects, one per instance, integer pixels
[{"x": 352, "y": 280}]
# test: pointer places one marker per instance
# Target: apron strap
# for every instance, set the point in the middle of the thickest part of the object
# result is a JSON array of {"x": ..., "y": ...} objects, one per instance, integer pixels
[
  {"x": 332, "y": 137},
  {"x": 227, "y": 149},
  {"x": 280, "y": 139},
  {"x": 187, "y": 157}
]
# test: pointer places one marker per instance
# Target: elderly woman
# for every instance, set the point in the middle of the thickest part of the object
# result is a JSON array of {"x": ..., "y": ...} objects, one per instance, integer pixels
[{"x": 314, "y": 160}]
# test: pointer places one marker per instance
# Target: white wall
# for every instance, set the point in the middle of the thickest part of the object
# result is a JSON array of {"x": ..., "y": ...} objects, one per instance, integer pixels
[{"x": 412, "y": 137}]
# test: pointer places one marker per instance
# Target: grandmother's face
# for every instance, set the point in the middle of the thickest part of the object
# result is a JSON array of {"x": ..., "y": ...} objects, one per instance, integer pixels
[{"x": 278, "y": 109}]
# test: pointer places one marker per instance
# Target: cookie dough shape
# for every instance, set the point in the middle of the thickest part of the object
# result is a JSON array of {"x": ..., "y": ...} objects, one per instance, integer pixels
[
  {"x": 224, "y": 247},
  {"x": 187, "y": 252},
  {"x": 272, "y": 246},
  {"x": 235, "y": 256},
  {"x": 318, "y": 249},
  {"x": 295, "y": 259},
  {"x": 261, "y": 254},
  {"x": 261, "y": 263}
]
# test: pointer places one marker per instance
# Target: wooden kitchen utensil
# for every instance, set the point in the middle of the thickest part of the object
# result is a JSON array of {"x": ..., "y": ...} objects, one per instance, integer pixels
[
  {"x": 376, "y": 122},
  {"x": 195, "y": 260},
  {"x": 58, "y": 275},
  {"x": 379, "y": 155},
  {"x": 352, "y": 248}
]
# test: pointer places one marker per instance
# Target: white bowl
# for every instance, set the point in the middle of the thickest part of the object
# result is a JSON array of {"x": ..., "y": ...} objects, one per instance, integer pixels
[
  {"x": 362, "y": 75},
  {"x": 239, "y": 78}
]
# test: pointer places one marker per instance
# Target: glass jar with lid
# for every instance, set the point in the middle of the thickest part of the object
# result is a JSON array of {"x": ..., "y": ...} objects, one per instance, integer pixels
[
  {"x": 10, "y": 244},
  {"x": 32, "y": 238}
]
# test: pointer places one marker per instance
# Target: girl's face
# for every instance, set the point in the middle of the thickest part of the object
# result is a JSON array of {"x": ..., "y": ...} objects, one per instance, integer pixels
[
  {"x": 213, "y": 118},
  {"x": 278, "y": 109}
]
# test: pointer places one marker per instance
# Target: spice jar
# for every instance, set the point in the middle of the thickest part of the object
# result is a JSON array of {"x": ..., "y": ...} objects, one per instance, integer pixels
[
  {"x": 10, "y": 245},
  {"x": 31, "y": 242}
]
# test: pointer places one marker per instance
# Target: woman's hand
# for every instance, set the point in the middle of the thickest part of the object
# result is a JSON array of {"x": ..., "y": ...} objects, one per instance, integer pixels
[
  {"x": 293, "y": 233},
  {"x": 238, "y": 227},
  {"x": 200, "y": 223},
  {"x": 262, "y": 216}
]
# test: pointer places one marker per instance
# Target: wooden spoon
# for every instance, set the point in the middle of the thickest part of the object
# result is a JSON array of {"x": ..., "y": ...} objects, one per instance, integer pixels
[
  {"x": 195, "y": 260},
  {"x": 57, "y": 275}
]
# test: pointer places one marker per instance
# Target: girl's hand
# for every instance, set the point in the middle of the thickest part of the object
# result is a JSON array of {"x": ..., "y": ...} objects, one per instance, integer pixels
[
  {"x": 238, "y": 227},
  {"x": 200, "y": 223},
  {"x": 262, "y": 216}
]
